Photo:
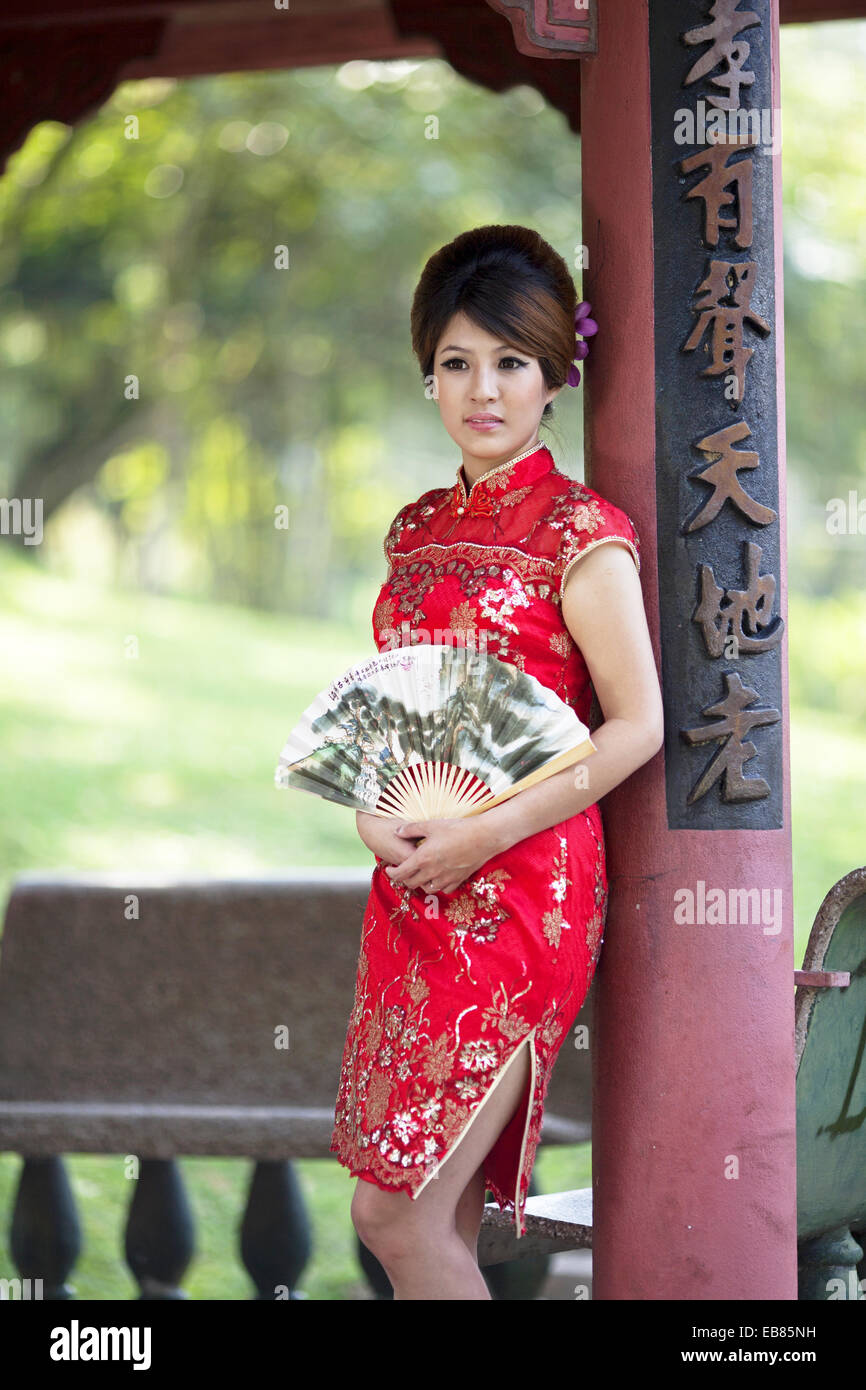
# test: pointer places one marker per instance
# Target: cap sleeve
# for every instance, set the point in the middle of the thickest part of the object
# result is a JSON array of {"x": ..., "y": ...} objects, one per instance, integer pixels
[
  {"x": 409, "y": 519},
  {"x": 394, "y": 531},
  {"x": 591, "y": 523}
]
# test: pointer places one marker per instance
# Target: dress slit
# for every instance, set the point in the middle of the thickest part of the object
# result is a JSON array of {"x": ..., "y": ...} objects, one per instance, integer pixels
[{"x": 529, "y": 1093}]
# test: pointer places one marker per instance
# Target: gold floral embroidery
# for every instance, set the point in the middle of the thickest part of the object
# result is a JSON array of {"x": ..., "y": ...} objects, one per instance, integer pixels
[
  {"x": 564, "y": 646},
  {"x": 378, "y": 1096},
  {"x": 402, "y": 1140},
  {"x": 586, "y": 517},
  {"x": 462, "y": 617},
  {"x": 499, "y": 479},
  {"x": 562, "y": 643},
  {"x": 402, "y": 1147},
  {"x": 374, "y": 1032},
  {"x": 579, "y": 527},
  {"x": 416, "y": 573},
  {"x": 418, "y": 989},
  {"x": 384, "y": 614},
  {"x": 502, "y": 1016},
  {"x": 475, "y": 909},
  {"x": 520, "y": 494},
  {"x": 553, "y": 921},
  {"x": 437, "y": 1061},
  {"x": 595, "y": 925},
  {"x": 475, "y": 912},
  {"x": 360, "y": 986},
  {"x": 552, "y": 924},
  {"x": 454, "y": 1119},
  {"x": 550, "y": 1028}
]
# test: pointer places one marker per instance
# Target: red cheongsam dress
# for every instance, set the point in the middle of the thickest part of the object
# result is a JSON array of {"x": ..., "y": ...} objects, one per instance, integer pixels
[{"x": 450, "y": 986}]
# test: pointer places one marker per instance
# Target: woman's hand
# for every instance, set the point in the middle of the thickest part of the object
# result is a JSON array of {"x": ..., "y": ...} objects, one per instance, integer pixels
[
  {"x": 450, "y": 851},
  {"x": 378, "y": 834}
]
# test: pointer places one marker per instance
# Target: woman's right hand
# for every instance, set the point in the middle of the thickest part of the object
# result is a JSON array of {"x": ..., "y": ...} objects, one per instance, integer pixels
[{"x": 378, "y": 834}]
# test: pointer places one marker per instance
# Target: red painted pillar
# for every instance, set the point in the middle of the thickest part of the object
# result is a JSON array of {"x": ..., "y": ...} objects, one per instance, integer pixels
[{"x": 694, "y": 1104}]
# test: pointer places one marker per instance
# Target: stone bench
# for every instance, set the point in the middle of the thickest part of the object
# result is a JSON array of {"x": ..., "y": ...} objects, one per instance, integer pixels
[{"x": 158, "y": 1018}]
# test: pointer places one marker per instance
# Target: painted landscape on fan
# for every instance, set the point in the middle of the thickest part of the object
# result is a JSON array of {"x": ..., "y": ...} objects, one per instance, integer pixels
[{"x": 428, "y": 731}]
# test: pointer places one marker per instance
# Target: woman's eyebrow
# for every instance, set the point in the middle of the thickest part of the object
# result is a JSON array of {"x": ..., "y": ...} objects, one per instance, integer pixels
[{"x": 453, "y": 347}]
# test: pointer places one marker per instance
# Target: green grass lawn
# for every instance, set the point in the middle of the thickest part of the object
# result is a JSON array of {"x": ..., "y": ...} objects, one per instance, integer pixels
[{"x": 142, "y": 733}]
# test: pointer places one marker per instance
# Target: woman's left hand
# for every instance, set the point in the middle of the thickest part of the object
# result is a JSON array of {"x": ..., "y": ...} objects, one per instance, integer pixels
[{"x": 452, "y": 850}]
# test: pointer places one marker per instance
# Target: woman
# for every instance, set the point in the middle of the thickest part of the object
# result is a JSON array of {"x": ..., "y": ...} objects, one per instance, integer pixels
[{"x": 481, "y": 935}]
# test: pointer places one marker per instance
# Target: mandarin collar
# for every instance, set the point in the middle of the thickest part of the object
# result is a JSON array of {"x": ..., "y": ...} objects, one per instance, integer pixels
[{"x": 486, "y": 493}]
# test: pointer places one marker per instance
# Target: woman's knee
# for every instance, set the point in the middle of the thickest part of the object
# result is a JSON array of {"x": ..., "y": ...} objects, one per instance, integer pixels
[{"x": 383, "y": 1220}]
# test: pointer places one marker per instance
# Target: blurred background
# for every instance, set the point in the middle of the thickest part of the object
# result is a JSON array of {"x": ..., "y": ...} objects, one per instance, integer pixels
[{"x": 161, "y": 641}]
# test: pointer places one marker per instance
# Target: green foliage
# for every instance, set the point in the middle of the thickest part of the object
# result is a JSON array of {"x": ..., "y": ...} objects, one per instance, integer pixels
[
  {"x": 145, "y": 244},
  {"x": 824, "y": 217},
  {"x": 206, "y": 291}
]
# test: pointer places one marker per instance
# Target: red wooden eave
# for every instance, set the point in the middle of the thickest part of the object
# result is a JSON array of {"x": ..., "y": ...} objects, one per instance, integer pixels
[{"x": 61, "y": 59}]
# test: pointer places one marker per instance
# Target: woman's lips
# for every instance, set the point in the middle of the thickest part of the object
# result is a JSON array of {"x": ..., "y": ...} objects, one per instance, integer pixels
[{"x": 483, "y": 424}]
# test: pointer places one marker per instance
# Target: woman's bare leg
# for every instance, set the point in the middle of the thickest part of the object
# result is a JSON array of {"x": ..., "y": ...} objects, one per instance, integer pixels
[
  {"x": 418, "y": 1241},
  {"x": 470, "y": 1210}
]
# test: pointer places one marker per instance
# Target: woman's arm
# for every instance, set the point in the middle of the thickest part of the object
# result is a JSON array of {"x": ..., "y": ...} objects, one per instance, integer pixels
[
  {"x": 602, "y": 607},
  {"x": 603, "y": 610}
]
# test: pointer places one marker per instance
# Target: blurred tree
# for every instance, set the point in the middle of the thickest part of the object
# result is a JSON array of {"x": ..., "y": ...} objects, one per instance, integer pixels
[
  {"x": 204, "y": 311},
  {"x": 205, "y": 295}
]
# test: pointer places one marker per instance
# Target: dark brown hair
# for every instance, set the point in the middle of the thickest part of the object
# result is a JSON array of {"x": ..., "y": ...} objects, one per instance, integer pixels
[{"x": 511, "y": 283}]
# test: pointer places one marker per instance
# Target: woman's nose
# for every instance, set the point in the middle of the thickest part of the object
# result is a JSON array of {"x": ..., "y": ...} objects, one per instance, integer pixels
[{"x": 483, "y": 386}]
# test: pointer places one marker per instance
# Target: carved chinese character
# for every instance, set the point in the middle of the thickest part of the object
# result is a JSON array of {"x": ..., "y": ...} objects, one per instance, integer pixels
[
  {"x": 734, "y": 722},
  {"x": 724, "y": 612},
  {"x": 727, "y": 21},
  {"x": 716, "y": 192},
  {"x": 722, "y": 476},
  {"x": 727, "y": 280}
]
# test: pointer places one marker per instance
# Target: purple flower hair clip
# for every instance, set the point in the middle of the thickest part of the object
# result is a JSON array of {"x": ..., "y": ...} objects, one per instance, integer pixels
[{"x": 584, "y": 327}]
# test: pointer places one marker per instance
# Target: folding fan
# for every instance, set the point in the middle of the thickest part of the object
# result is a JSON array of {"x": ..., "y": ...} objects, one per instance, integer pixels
[{"x": 431, "y": 731}]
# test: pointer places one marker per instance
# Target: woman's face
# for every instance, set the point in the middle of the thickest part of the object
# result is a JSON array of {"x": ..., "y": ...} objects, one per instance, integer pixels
[{"x": 475, "y": 374}]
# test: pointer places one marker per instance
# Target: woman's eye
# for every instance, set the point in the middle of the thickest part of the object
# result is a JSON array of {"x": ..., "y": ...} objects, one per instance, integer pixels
[{"x": 454, "y": 361}]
